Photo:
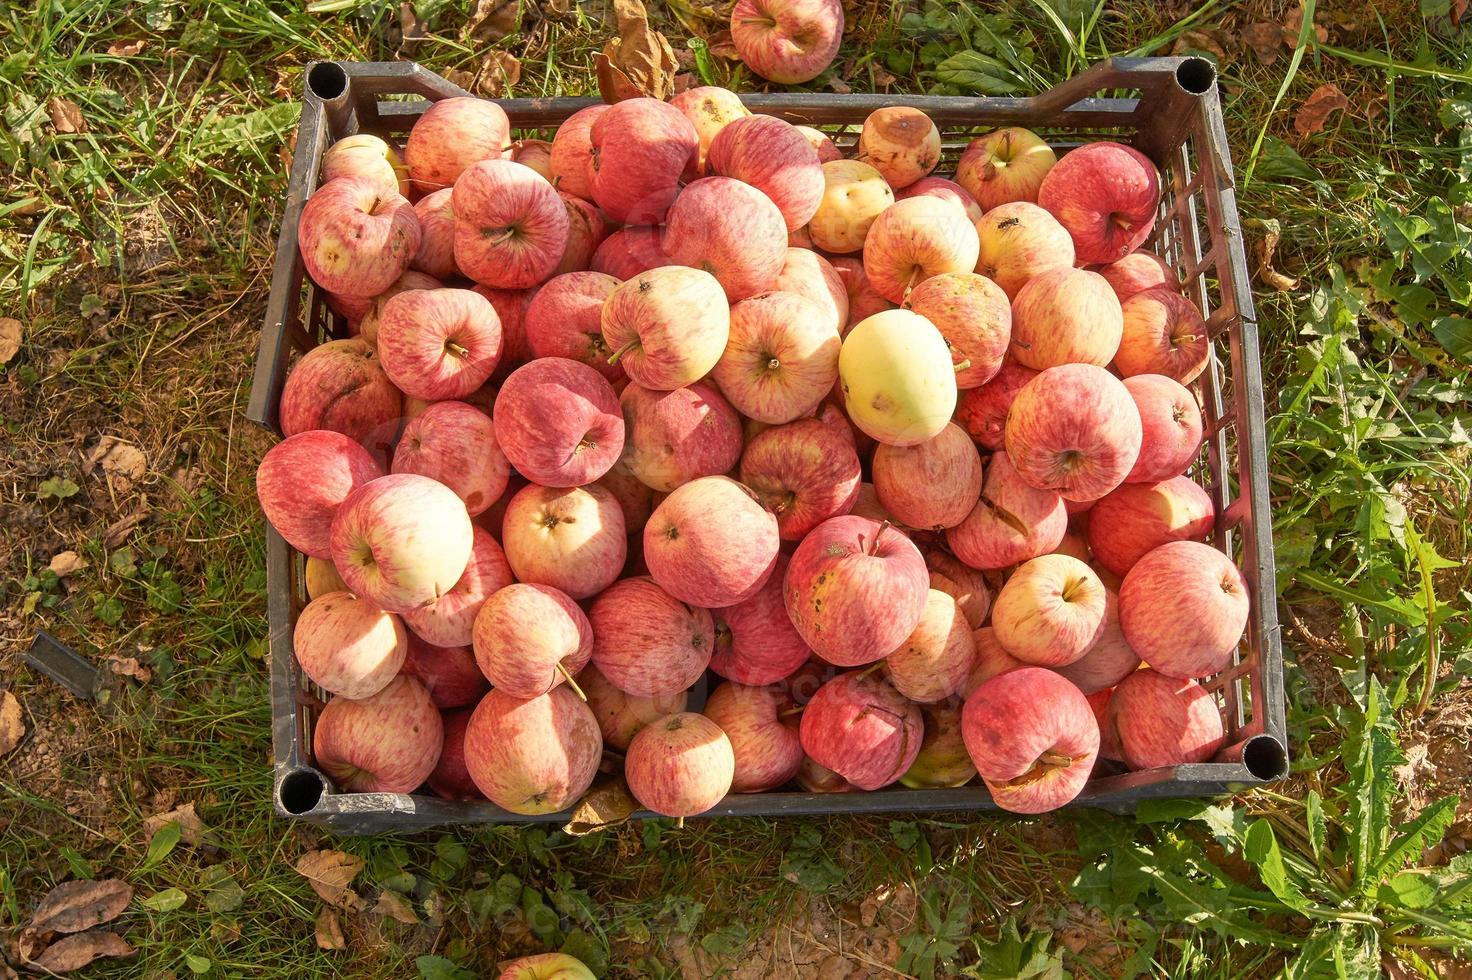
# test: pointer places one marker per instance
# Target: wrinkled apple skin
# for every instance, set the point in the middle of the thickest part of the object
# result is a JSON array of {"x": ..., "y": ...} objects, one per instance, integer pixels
[
  {"x": 1065, "y": 316},
  {"x": 765, "y": 744},
  {"x": 1050, "y": 611},
  {"x": 646, "y": 642},
  {"x": 1032, "y": 737},
  {"x": 347, "y": 645},
  {"x": 1164, "y": 721},
  {"x": 1005, "y": 165},
  {"x": 303, "y": 479},
  {"x": 356, "y": 238},
  {"x": 341, "y": 386},
  {"x": 1018, "y": 241},
  {"x": 935, "y": 659},
  {"x": 710, "y": 543},
  {"x": 755, "y": 641},
  {"x": 933, "y": 485},
  {"x": 1106, "y": 195},
  {"x": 572, "y": 539},
  {"x": 864, "y": 730},
  {"x": 974, "y": 316},
  {"x": 533, "y": 756},
  {"x": 1136, "y": 518},
  {"x": 558, "y": 422},
  {"x": 1012, "y": 522},
  {"x": 901, "y": 142},
  {"x": 1074, "y": 429},
  {"x": 680, "y": 765},
  {"x": 388, "y": 742},
  {"x": 1183, "y": 608},
  {"x": 1163, "y": 334},
  {"x": 787, "y": 41},
  {"x": 673, "y": 437},
  {"x": 451, "y": 136},
  {"x": 804, "y": 472}
]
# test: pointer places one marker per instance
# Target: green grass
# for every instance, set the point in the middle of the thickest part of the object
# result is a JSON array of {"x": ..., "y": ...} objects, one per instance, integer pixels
[{"x": 137, "y": 255}]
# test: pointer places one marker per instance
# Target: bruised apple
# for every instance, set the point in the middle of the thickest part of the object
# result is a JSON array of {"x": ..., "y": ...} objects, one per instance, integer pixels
[{"x": 861, "y": 728}]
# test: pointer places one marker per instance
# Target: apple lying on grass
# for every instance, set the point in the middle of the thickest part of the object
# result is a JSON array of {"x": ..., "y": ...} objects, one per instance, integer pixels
[
  {"x": 787, "y": 41},
  {"x": 547, "y": 966}
]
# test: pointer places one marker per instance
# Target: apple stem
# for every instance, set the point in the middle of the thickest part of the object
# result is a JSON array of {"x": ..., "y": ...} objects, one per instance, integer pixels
[
  {"x": 456, "y": 349},
  {"x": 909, "y": 287},
  {"x": 503, "y": 235},
  {"x": 874, "y": 546},
  {"x": 613, "y": 358},
  {"x": 570, "y": 682},
  {"x": 679, "y": 823},
  {"x": 871, "y": 668},
  {"x": 791, "y": 711},
  {"x": 1055, "y": 760},
  {"x": 963, "y": 365}
]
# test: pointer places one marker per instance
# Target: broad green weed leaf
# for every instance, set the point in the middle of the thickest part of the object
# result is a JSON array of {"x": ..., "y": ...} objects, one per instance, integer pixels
[{"x": 1261, "y": 849}]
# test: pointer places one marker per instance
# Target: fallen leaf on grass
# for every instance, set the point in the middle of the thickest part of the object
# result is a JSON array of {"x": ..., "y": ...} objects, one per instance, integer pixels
[
  {"x": 605, "y": 805},
  {"x": 10, "y": 337},
  {"x": 394, "y": 906},
  {"x": 1264, "y": 248},
  {"x": 639, "y": 61},
  {"x": 130, "y": 667},
  {"x": 77, "y": 905},
  {"x": 125, "y": 49},
  {"x": 1293, "y": 22},
  {"x": 492, "y": 20},
  {"x": 66, "y": 116},
  {"x": 722, "y": 45},
  {"x": 117, "y": 532},
  {"x": 222, "y": 892},
  {"x": 499, "y": 71},
  {"x": 191, "y": 827},
  {"x": 65, "y": 563},
  {"x": 122, "y": 462},
  {"x": 1316, "y": 109},
  {"x": 12, "y": 725},
  {"x": 75, "y": 952},
  {"x": 329, "y": 873},
  {"x": 1265, "y": 40},
  {"x": 1200, "y": 41},
  {"x": 329, "y": 931},
  {"x": 411, "y": 29}
]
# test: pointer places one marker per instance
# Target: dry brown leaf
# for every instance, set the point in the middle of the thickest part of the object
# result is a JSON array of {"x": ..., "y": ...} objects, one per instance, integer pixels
[
  {"x": 123, "y": 463},
  {"x": 1200, "y": 41},
  {"x": 130, "y": 667},
  {"x": 492, "y": 20},
  {"x": 117, "y": 532},
  {"x": 329, "y": 931},
  {"x": 12, "y": 723},
  {"x": 1316, "y": 109},
  {"x": 65, "y": 563},
  {"x": 1264, "y": 249},
  {"x": 1265, "y": 40},
  {"x": 411, "y": 28},
  {"x": 639, "y": 61},
  {"x": 684, "y": 81},
  {"x": 74, "y": 906},
  {"x": 605, "y": 805},
  {"x": 722, "y": 45},
  {"x": 10, "y": 338},
  {"x": 1293, "y": 22},
  {"x": 125, "y": 49},
  {"x": 191, "y": 827},
  {"x": 66, "y": 116},
  {"x": 499, "y": 71},
  {"x": 395, "y": 906},
  {"x": 74, "y": 952},
  {"x": 329, "y": 873}
]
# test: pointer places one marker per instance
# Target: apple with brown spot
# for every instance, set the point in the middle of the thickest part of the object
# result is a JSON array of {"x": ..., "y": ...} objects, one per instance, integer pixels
[{"x": 901, "y": 142}]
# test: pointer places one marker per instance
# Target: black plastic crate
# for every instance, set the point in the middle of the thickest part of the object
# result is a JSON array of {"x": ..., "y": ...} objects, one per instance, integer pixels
[{"x": 1166, "y": 107}]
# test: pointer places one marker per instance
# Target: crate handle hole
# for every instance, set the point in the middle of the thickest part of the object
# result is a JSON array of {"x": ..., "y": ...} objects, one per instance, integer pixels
[
  {"x": 327, "y": 80},
  {"x": 1196, "y": 75},
  {"x": 1265, "y": 757},
  {"x": 300, "y": 791}
]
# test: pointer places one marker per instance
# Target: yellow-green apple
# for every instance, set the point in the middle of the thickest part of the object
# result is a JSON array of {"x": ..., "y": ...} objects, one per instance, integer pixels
[
  {"x": 1005, "y": 165},
  {"x": 388, "y": 742},
  {"x": 771, "y": 155},
  {"x": 1050, "y": 611},
  {"x": 348, "y": 645},
  {"x": 304, "y": 478},
  {"x": 533, "y": 756},
  {"x": 731, "y": 230},
  {"x": 511, "y": 227},
  {"x": 450, "y": 674},
  {"x": 1018, "y": 241},
  {"x": 942, "y": 761},
  {"x": 1110, "y": 660},
  {"x": 815, "y": 778},
  {"x": 811, "y": 276},
  {"x": 571, "y": 155},
  {"x": 436, "y": 253},
  {"x": 901, "y": 142},
  {"x": 820, "y": 141},
  {"x": 571, "y": 539},
  {"x": 355, "y": 237},
  {"x": 942, "y": 189},
  {"x": 1183, "y": 608},
  {"x": 710, "y": 109},
  {"x": 863, "y": 299},
  {"x": 1136, "y": 272},
  {"x": 530, "y": 638},
  {"x": 536, "y": 154},
  {"x": 864, "y": 730},
  {"x": 320, "y": 576},
  {"x": 667, "y": 326},
  {"x": 449, "y": 619},
  {"x": 455, "y": 443},
  {"x": 1075, "y": 429},
  {"x": 1164, "y": 721},
  {"x": 565, "y": 319},
  {"x": 982, "y": 411},
  {"x": 934, "y": 661},
  {"x": 647, "y": 642},
  {"x": 401, "y": 541},
  {"x": 787, "y": 41},
  {"x": 547, "y": 966},
  {"x": 1032, "y": 737},
  {"x": 913, "y": 240},
  {"x": 451, "y": 136},
  {"x": 635, "y": 497},
  {"x": 975, "y": 318},
  {"x": 855, "y": 589},
  {"x": 673, "y": 437},
  {"x": 451, "y": 777},
  {"x": 761, "y": 723},
  {"x": 439, "y": 343},
  {"x": 620, "y": 715},
  {"x": 991, "y": 660},
  {"x": 854, "y": 194},
  {"x": 1105, "y": 194},
  {"x": 638, "y": 150},
  {"x": 368, "y": 156},
  {"x": 1163, "y": 334},
  {"x": 411, "y": 279},
  {"x": 781, "y": 359},
  {"x": 680, "y": 765},
  {"x": 1012, "y": 521},
  {"x": 899, "y": 384},
  {"x": 711, "y": 543},
  {"x": 630, "y": 252},
  {"x": 755, "y": 641},
  {"x": 804, "y": 472},
  {"x": 586, "y": 230},
  {"x": 558, "y": 422},
  {"x": 1170, "y": 427},
  {"x": 932, "y": 485},
  {"x": 1136, "y": 518},
  {"x": 511, "y": 307},
  {"x": 1065, "y": 316},
  {"x": 967, "y": 585}
]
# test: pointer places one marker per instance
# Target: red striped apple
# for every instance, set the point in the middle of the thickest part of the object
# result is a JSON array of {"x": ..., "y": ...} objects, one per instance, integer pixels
[
  {"x": 436, "y": 253},
  {"x": 991, "y": 660},
  {"x": 1164, "y": 721},
  {"x": 755, "y": 641},
  {"x": 572, "y": 151},
  {"x": 667, "y": 326},
  {"x": 1005, "y": 165},
  {"x": 355, "y": 237},
  {"x": 781, "y": 359},
  {"x": 1074, "y": 429},
  {"x": 1170, "y": 427},
  {"x": 1050, "y": 611},
  {"x": 673, "y": 437},
  {"x": 547, "y": 966},
  {"x": 530, "y": 638},
  {"x": 912, "y": 240},
  {"x": 731, "y": 230},
  {"x": 1137, "y": 272},
  {"x": 710, "y": 543},
  {"x": 347, "y": 645},
  {"x": 771, "y": 155},
  {"x": 967, "y": 585},
  {"x": 411, "y": 279},
  {"x": 1033, "y": 738},
  {"x": 863, "y": 299},
  {"x": 630, "y": 252},
  {"x": 388, "y": 742},
  {"x": 787, "y": 41},
  {"x": 533, "y": 756},
  {"x": 571, "y": 539},
  {"x": 762, "y": 725},
  {"x": 586, "y": 230},
  {"x": 646, "y": 642},
  {"x": 932, "y": 485},
  {"x": 1012, "y": 521},
  {"x": 303, "y": 479},
  {"x": 901, "y": 142},
  {"x": 455, "y": 444},
  {"x": 943, "y": 190},
  {"x": 1163, "y": 334},
  {"x": 934, "y": 661},
  {"x": 341, "y": 386},
  {"x": 511, "y": 228},
  {"x": 1183, "y": 608},
  {"x": 511, "y": 307},
  {"x": 813, "y": 277},
  {"x": 452, "y": 135},
  {"x": 565, "y": 319},
  {"x": 680, "y": 766},
  {"x": 558, "y": 422},
  {"x": 1065, "y": 316},
  {"x": 1106, "y": 195},
  {"x": 864, "y": 730},
  {"x": 639, "y": 148},
  {"x": 1136, "y": 518},
  {"x": 1018, "y": 241},
  {"x": 450, "y": 674},
  {"x": 439, "y": 343},
  {"x": 621, "y": 716},
  {"x": 1109, "y": 661},
  {"x": 448, "y": 620},
  {"x": 982, "y": 412},
  {"x": 820, "y": 141},
  {"x": 804, "y": 472},
  {"x": 974, "y": 316}
]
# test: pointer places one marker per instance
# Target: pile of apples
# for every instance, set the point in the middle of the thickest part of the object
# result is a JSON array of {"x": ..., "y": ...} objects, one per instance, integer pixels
[{"x": 898, "y": 458}]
